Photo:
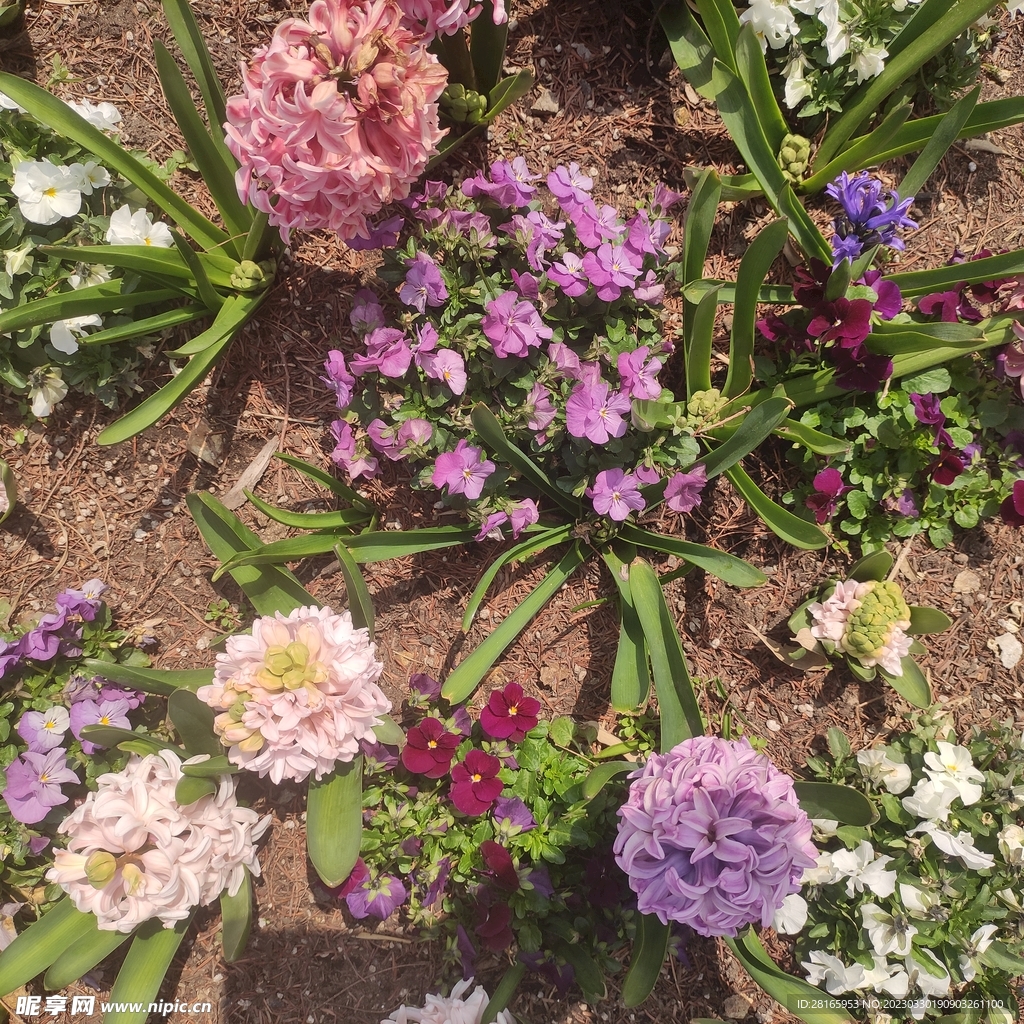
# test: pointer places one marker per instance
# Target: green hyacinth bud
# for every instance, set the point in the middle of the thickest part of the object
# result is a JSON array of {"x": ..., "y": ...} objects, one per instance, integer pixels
[
  {"x": 794, "y": 155},
  {"x": 869, "y": 628},
  {"x": 250, "y": 277},
  {"x": 100, "y": 868},
  {"x": 704, "y": 406},
  {"x": 463, "y": 105}
]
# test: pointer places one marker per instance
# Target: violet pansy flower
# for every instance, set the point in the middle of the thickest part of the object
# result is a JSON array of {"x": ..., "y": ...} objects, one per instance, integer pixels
[
  {"x": 376, "y": 897},
  {"x": 44, "y": 730},
  {"x": 463, "y": 471},
  {"x": 615, "y": 494},
  {"x": 423, "y": 286},
  {"x": 639, "y": 374},
  {"x": 33, "y": 784},
  {"x": 102, "y": 712},
  {"x": 513, "y": 326},
  {"x": 595, "y": 412},
  {"x": 683, "y": 490}
]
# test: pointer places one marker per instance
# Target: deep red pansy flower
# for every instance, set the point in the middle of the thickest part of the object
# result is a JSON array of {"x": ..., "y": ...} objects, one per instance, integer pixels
[
  {"x": 429, "y": 749},
  {"x": 509, "y": 714},
  {"x": 475, "y": 783}
]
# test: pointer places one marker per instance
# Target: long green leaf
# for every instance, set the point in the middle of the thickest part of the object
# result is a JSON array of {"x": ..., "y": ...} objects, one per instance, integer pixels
[
  {"x": 792, "y": 529},
  {"x": 486, "y": 424},
  {"x": 519, "y": 552},
  {"x": 813, "y": 440},
  {"x": 922, "y": 282},
  {"x": 236, "y": 919},
  {"x": 341, "y": 520},
  {"x": 56, "y": 114},
  {"x": 781, "y": 294},
  {"x": 143, "y": 970},
  {"x": 698, "y": 341},
  {"x": 649, "y": 949},
  {"x": 723, "y": 28},
  {"x": 754, "y": 267},
  {"x": 188, "y": 37},
  {"x": 677, "y": 704},
  {"x": 209, "y": 295},
  {"x": 503, "y": 993},
  {"x": 215, "y": 162},
  {"x": 114, "y": 736},
  {"x": 487, "y": 47},
  {"x": 97, "y": 298},
  {"x": 753, "y": 71},
  {"x": 912, "y": 685},
  {"x": 82, "y": 957},
  {"x": 151, "y": 680},
  {"x": 268, "y": 588},
  {"x": 194, "y": 722},
  {"x": 755, "y": 426},
  {"x": 691, "y": 48},
  {"x": 42, "y": 943},
  {"x": 841, "y": 803},
  {"x": 334, "y": 822},
  {"x": 211, "y": 768},
  {"x": 698, "y": 223},
  {"x": 151, "y": 260},
  {"x": 728, "y": 568},
  {"x": 602, "y": 774},
  {"x": 466, "y": 677},
  {"x": 148, "y": 325},
  {"x": 360, "y": 605},
  {"x": 929, "y": 35},
  {"x": 945, "y": 135},
  {"x": 330, "y": 482},
  {"x": 631, "y": 677},
  {"x": 230, "y": 319}
]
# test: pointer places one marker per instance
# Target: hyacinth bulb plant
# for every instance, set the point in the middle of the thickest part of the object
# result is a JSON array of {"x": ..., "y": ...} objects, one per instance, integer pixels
[{"x": 866, "y": 622}]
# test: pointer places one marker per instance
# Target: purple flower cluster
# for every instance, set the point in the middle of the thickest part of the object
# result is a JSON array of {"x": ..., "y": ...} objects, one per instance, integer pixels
[
  {"x": 712, "y": 836},
  {"x": 490, "y": 277},
  {"x": 871, "y": 215}
]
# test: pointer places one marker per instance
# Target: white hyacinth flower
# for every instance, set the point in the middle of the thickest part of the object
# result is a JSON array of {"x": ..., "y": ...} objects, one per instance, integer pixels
[
  {"x": 931, "y": 799},
  {"x": 960, "y": 845},
  {"x": 46, "y": 193},
  {"x": 888, "y": 933},
  {"x": 879, "y": 769},
  {"x": 64, "y": 334},
  {"x": 89, "y": 176},
  {"x": 46, "y": 389},
  {"x": 773, "y": 23},
  {"x": 869, "y": 63},
  {"x": 127, "y": 228},
  {"x": 823, "y": 968},
  {"x": 953, "y": 766},
  {"x": 863, "y": 870},
  {"x": 104, "y": 116},
  {"x": 791, "y": 917}
]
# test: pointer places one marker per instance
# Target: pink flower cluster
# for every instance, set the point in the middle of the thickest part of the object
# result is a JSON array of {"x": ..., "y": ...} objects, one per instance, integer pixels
[
  {"x": 134, "y": 853},
  {"x": 446, "y": 17},
  {"x": 297, "y": 695},
  {"x": 337, "y": 118}
]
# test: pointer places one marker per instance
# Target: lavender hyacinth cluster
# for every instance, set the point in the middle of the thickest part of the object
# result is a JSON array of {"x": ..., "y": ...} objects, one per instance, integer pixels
[
  {"x": 871, "y": 215},
  {"x": 712, "y": 836}
]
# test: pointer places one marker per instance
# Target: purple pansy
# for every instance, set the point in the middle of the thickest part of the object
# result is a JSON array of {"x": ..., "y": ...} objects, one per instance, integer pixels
[
  {"x": 538, "y": 408},
  {"x": 639, "y": 374},
  {"x": 828, "y": 489},
  {"x": 367, "y": 312},
  {"x": 423, "y": 689},
  {"x": 683, "y": 490},
  {"x": 423, "y": 286},
  {"x": 610, "y": 269},
  {"x": 350, "y": 455},
  {"x": 615, "y": 494},
  {"x": 102, "y": 712},
  {"x": 475, "y": 784},
  {"x": 338, "y": 379},
  {"x": 596, "y": 412},
  {"x": 429, "y": 749},
  {"x": 509, "y": 714},
  {"x": 463, "y": 471},
  {"x": 44, "y": 730},
  {"x": 84, "y": 603},
  {"x": 1012, "y": 508},
  {"x": 495, "y": 931},
  {"x": 449, "y": 368},
  {"x": 569, "y": 185},
  {"x": 381, "y": 236},
  {"x": 33, "y": 784},
  {"x": 500, "y": 868},
  {"x": 376, "y": 897},
  {"x": 513, "y": 326},
  {"x": 512, "y": 817}
]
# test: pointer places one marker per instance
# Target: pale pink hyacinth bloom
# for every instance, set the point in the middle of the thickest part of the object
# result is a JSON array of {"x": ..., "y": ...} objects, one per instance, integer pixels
[
  {"x": 453, "y": 1009},
  {"x": 446, "y": 17},
  {"x": 338, "y": 117},
  {"x": 297, "y": 695},
  {"x": 134, "y": 853}
]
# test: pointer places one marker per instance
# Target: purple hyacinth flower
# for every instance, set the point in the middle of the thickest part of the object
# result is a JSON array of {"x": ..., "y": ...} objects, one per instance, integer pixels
[
  {"x": 338, "y": 379},
  {"x": 103, "y": 712},
  {"x": 683, "y": 490},
  {"x": 569, "y": 185},
  {"x": 513, "y": 326},
  {"x": 463, "y": 471},
  {"x": 595, "y": 412},
  {"x": 615, "y": 494},
  {"x": 33, "y": 784},
  {"x": 449, "y": 368},
  {"x": 44, "y": 730},
  {"x": 377, "y": 897},
  {"x": 873, "y": 215},
  {"x": 423, "y": 286},
  {"x": 828, "y": 488},
  {"x": 638, "y": 374}
]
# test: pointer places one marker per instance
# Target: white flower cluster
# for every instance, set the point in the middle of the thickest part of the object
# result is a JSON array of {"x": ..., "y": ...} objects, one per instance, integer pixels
[{"x": 454, "y": 1009}]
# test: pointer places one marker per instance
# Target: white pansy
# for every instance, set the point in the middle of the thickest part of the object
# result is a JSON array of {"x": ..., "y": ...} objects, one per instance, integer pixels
[
  {"x": 64, "y": 334},
  {"x": 798, "y": 88},
  {"x": 889, "y": 978},
  {"x": 929, "y": 984},
  {"x": 960, "y": 845},
  {"x": 931, "y": 800},
  {"x": 823, "y": 873},
  {"x": 863, "y": 870},
  {"x": 837, "y": 977},
  {"x": 104, "y": 116},
  {"x": 888, "y": 933},
  {"x": 1011, "y": 845},
  {"x": 980, "y": 941},
  {"x": 791, "y": 917},
  {"x": 46, "y": 389},
  {"x": 919, "y": 902},
  {"x": 127, "y": 228},
  {"x": 837, "y": 39},
  {"x": 88, "y": 275},
  {"x": 20, "y": 260},
  {"x": 953, "y": 766},
  {"x": 869, "y": 62},
  {"x": 89, "y": 176},
  {"x": 825, "y": 827},
  {"x": 881, "y": 770},
  {"x": 45, "y": 192},
  {"x": 773, "y": 23}
]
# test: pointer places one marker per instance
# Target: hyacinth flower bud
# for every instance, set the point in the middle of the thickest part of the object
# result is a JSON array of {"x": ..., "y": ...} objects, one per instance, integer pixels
[
  {"x": 134, "y": 879},
  {"x": 704, "y": 406},
  {"x": 869, "y": 630},
  {"x": 794, "y": 155},
  {"x": 249, "y": 276},
  {"x": 100, "y": 868}
]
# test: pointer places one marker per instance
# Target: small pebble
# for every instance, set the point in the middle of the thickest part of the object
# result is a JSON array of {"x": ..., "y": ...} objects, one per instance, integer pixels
[{"x": 773, "y": 726}]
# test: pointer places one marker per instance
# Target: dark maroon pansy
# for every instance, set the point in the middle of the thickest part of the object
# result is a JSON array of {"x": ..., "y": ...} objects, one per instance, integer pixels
[
  {"x": 429, "y": 749},
  {"x": 475, "y": 783},
  {"x": 509, "y": 714}
]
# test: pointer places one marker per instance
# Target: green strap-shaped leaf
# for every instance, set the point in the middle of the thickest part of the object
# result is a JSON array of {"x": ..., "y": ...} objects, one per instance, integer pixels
[
  {"x": 40, "y": 945},
  {"x": 875, "y": 566},
  {"x": 899, "y": 339},
  {"x": 193, "y": 47},
  {"x": 236, "y": 919},
  {"x": 143, "y": 970},
  {"x": 189, "y": 789},
  {"x": 723, "y": 28},
  {"x": 602, "y": 774},
  {"x": 677, "y": 704},
  {"x": 151, "y": 260},
  {"x": 56, "y": 114},
  {"x": 631, "y": 676},
  {"x": 784, "y": 987},
  {"x": 341, "y": 520},
  {"x": 859, "y": 154},
  {"x": 698, "y": 341},
  {"x": 151, "y": 680},
  {"x": 649, "y": 949},
  {"x": 839, "y": 281},
  {"x": 360, "y": 605},
  {"x": 782, "y": 294},
  {"x": 211, "y": 768},
  {"x": 259, "y": 241},
  {"x": 486, "y": 424},
  {"x": 148, "y": 325},
  {"x": 504, "y": 992},
  {"x": 755, "y": 426},
  {"x": 691, "y": 48},
  {"x": 945, "y": 135},
  {"x": 728, "y": 568},
  {"x": 487, "y": 47},
  {"x": 466, "y": 677},
  {"x": 194, "y": 721},
  {"x": 97, "y": 298},
  {"x": 215, "y": 162},
  {"x": 841, "y": 803},
  {"x": 213, "y": 299},
  {"x": 925, "y": 620},
  {"x": 912, "y": 685},
  {"x": 517, "y": 553},
  {"x": 589, "y": 976},
  {"x": 330, "y": 482},
  {"x": 334, "y": 822},
  {"x": 753, "y": 71},
  {"x": 792, "y": 529},
  {"x": 754, "y": 267},
  {"x": 921, "y": 282},
  {"x": 230, "y": 319},
  {"x": 813, "y": 440},
  {"x": 269, "y": 588},
  {"x": 698, "y": 223},
  {"x": 113, "y": 736},
  {"x": 83, "y": 956}
]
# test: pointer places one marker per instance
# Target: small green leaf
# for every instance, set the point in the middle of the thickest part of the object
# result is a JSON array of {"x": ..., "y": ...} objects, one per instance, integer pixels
[
  {"x": 388, "y": 731},
  {"x": 728, "y": 568},
  {"x": 602, "y": 774},
  {"x": 194, "y": 722},
  {"x": 151, "y": 680},
  {"x": 912, "y": 684},
  {"x": 334, "y": 821},
  {"x": 212, "y": 768},
  {"x": 360, "y": 605},
  {"x": 505, "y": 990},
  {"x": 999, "y": 957},
  {"x": 190, "y": 789},
  {"x": 838, "y": 745},
  {"x": 796, "y": 531},
  {"x": 649, "y": 949},
  {"x": 842, "y": 803},
  {"x": 236, "y": 919},
  {"x": 925, "y": 620},
  {"x": 589, "y": 976},
  {"x": 112, "y": 736},
  {"x": 871, "y": 567}
]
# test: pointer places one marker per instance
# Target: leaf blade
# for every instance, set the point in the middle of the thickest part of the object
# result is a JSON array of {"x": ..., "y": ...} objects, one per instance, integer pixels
[{"x": 334, "y": 822}]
